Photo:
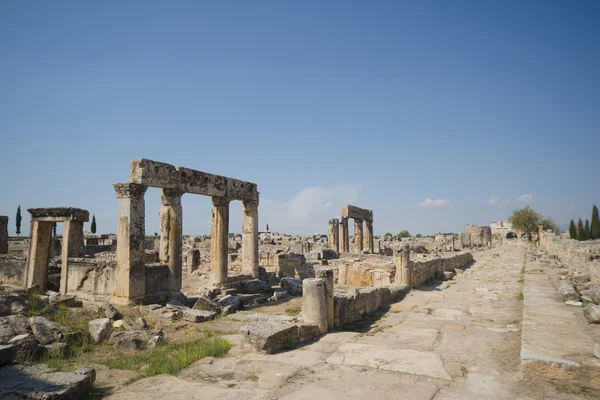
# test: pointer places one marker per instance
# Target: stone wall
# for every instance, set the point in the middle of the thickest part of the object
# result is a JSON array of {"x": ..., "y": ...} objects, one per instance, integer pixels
[
  {"x": 12, "y": 269},
  {"x": 583, "y": 256},
  {"x": 380, "y": 271},
  {"x": 425, "y": 269},
  {"x": 351, "y": 303}
]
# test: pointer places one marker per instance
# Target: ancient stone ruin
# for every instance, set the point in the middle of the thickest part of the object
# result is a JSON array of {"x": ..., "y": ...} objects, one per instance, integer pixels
[
  {"x": 3, "y": 234},
  {"x": 36, "y": 271},
  {"x": 132, "y": 275},
  {"x": 338, "y": 230}
]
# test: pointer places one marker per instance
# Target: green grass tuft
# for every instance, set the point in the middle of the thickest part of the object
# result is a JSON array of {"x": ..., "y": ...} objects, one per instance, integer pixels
[
  {"x": 521, "y": 296},
  {"x": 170, "y": 359}
]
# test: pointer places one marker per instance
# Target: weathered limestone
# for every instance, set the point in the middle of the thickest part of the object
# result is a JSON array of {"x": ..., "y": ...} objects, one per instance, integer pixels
[
  {"x": 166, "y": 176},
  {"x": 131, "y": 230},
  {"x": 327, "y": 275},
  {"x": 359, "y": 215},
  {"x": 358, "y": 236},
  {"x": 402, "y": 262},
  {"x": 36, "y": 271},
  {"x": 344, "y": 240},
  {"x": 3, "y": 234},
  {"x": 314, "y": 304},
  {"x": 250, "y": 238},
  {"x": 72, "y": 247},
  {"x": 170, "y": 235},
  {"x": 333, "y": 234},
  {"x": 477, "y": 236},
  {"x": 219, "y": 240},
  {"x": 368, "y": 237}
]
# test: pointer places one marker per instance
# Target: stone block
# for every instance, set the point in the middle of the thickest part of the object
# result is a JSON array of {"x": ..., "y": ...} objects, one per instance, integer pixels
[
  {"x": 292, "y": 286},
  {"x": 45, "y": 331},
  {"x": 270, "y": 336},
  {"x": 8, "y": 353},
  {"x": 100, "y": 329},
  {"x": 196, "y": 316}
]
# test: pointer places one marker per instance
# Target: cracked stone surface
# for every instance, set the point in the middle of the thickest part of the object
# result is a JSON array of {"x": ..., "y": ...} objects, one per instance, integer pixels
[{"x": 458, "y": 339}]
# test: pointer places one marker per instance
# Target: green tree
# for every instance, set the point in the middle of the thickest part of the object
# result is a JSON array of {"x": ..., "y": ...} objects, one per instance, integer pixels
[
  {"x": 526, "y": 220},
  {"x": 418, "y": 236},
  {"x": 580, "y": 230},
  {"x": 54, "y": 229},
  {"x": 267, "y": 227},
  {"x": 595, "y": 226},
  {"x": 404, "y": 234},
  {"x": 18, "y": 221},
  {"x": 93, "y": 227},
  {"x": 549, "y": 224},
  {"x": 572, "y": 230},
  {"x": 388, "y": 236},
  {"x": 586, "y": 229}
]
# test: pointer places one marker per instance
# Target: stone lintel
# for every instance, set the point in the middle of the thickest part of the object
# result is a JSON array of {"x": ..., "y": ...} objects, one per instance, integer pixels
[
  {"x": 59, "y": 214},
  {"x": 166, "y": 176},
  {"x": 349, "y": 211}
]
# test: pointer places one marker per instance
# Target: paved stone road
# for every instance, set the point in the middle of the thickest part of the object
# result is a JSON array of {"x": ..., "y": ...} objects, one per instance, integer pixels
[{"x": 460, "y": 340}]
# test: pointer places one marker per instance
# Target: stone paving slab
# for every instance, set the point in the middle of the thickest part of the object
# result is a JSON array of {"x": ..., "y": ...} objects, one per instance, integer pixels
[
  {"x": 400, "y": 360},
  {"x": 556, "y": 341}
]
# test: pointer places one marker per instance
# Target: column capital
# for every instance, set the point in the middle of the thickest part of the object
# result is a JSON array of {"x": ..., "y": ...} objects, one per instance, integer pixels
[
  {"x": 128, "y": 190},
  {"x": 220, "y": 201},
  {"x": 248, "y": 206},
  {"x": 171, "y": 197}
]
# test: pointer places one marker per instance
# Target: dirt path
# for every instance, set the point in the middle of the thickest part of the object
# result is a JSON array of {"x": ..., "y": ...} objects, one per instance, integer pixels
[{"x": 459, "y": 340}]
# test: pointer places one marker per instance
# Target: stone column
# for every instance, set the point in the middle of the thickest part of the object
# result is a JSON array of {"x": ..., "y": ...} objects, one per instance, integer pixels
[
  {"x": 402, "y": 263},
  {"x": 333, "y": 235},
  {"x": 368, "y": 241},
  {"x": 314, "y": 305},
  {"x": 358, "y": 236},
  {"x": 36, "y": 272},
  {"x": 343, "y": 236},
  {"x": 327, "y": 275},
  {"x": 72, "y": 246},
  {"x": 219, "y": 240},
  {"x": 250, "y": 238},
  {"x": 541, "y": 236},
  {"x": 3, "y": 234},
  {"x": 171, "y": 229},
  {"x": 131, "y": 232}
]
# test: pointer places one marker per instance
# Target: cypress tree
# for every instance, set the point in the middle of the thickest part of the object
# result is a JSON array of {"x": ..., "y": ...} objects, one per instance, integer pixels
[
  {"x": 595, "y": 227},
  {"x": 572, "y": 230},
  {"x": 54, "y": 229},
  {"x": 18, "y": 221},
  {"x": 93, "y": 227},
  {"x": 586, "y": 228},
  {"x": 580, "y": 230}
]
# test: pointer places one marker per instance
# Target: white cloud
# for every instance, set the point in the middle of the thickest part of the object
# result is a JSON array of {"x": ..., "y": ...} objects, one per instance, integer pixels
[
  {"x": 433, "y": 202},
  {"x": 495, "y": 200},
  {"x": 525, "y": 198},
  {"x": 309, "y": 210}
]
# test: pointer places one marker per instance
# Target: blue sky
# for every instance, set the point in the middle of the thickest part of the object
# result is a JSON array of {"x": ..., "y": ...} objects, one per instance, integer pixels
[{"x": 479, "y": 106}]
